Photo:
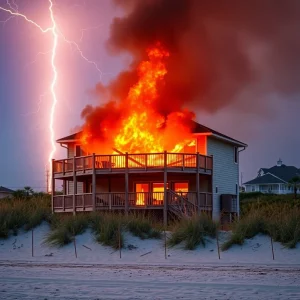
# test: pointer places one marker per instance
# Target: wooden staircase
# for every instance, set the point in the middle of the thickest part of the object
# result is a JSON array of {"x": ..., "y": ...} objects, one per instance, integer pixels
[{"x": 179, "y": 206}]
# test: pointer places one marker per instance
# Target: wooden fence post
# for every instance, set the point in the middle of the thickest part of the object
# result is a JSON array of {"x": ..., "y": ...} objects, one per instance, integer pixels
[
  {"x": 32, "y": 243},
  {"x": 272, "y": 247},
  {"x": 165, "y": 243},
  {"x": 120, "y": 246},
  {"x": 217, "y": 236}
]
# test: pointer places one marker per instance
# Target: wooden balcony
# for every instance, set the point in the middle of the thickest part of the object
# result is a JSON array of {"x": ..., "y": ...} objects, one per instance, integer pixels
[
  {"x": 133, "y": 163},
  {"x": 142, "y": 200}
]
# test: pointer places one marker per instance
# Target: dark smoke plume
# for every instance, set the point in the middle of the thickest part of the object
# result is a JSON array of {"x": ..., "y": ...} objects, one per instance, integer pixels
[
  {"x": 217, "y": 48},
  {"x": 221, "y": 52}
]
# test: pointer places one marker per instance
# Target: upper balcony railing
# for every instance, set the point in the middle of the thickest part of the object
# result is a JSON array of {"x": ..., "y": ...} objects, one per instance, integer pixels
[{"x": 140, "y": 161}]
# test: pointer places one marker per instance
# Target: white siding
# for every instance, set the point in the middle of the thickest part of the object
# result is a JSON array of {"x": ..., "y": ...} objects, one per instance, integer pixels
[{"x": 225, "y": 171}]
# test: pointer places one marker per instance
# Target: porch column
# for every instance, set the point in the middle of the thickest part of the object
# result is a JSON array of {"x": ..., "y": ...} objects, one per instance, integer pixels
[
  {"x": 64, "y": 187},
  {"x": 198, "y": 183},
  {"x": 52, "y": 186},
  {"x": 279, "y": 190},
  {"x": 74, "y": 186},
  {"x": 126, "y": 185},
  {"x": 165, "y": 191},
  {"x": 94, "y": 182}
]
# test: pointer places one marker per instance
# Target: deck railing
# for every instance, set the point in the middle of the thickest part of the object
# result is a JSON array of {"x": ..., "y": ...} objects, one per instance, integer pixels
[
  {"x": 135, "y": 200},
  {"x": 140, "y": 161},
  {"x": 65, "y": 202}
]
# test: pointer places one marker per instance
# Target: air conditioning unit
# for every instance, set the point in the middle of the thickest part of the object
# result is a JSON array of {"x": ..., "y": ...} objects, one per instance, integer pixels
[{"x": 229, "y": 203}]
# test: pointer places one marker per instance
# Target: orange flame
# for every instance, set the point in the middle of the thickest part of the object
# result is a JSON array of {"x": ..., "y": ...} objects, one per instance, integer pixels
[{"x": 141, "y": 128}]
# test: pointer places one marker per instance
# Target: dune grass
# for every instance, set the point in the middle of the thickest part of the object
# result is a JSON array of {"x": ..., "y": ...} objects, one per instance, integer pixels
[
  {"x": 142, "y": 227},
  {"x": 193, "y": 231},
  {"x": 278, "y": 217},
  {"x": 107, "y": 228},
  {"x": 64, "y": 228},
  {"x": 19, "y": 213}
]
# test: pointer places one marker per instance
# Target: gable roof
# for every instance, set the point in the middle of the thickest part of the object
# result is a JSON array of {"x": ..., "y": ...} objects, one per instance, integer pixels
[
  {"x": 5, "y": 190},
  {"x": 197, "y": 128},
  {"x": 265, "y": 179}
]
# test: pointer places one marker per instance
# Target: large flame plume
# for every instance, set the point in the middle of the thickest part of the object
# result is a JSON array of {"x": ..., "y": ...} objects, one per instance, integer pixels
[{"x": 134, "y": 125}]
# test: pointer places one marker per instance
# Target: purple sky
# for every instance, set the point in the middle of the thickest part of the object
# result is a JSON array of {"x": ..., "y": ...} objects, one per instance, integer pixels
[{"x": 269, "y": 126}]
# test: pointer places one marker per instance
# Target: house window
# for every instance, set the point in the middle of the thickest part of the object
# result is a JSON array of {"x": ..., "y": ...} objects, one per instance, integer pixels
[
  {"x": 181, "y": 187},
  {"x": 253, "y": 188},
  {"x": 158, "y": 190},
  {"x": 142, "y": 187},
  {"x": 236, "y": 154},
  {"x": 142, "y": 190},
  {"x": 79, "y": 151}
]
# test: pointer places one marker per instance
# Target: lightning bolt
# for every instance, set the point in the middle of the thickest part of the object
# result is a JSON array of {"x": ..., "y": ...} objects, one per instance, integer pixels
[
  {"x": 55, "y": 32},
  {"x": 52, "y": 88}
]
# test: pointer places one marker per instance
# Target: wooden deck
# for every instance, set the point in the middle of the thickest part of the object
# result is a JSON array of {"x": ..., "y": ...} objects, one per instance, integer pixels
[
  {"x": 136, "y": 201},
  {"x": 133, "y": 163}
]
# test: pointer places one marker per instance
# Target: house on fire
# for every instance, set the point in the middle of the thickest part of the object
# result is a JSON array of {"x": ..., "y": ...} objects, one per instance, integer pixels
[{"x": 203, "y": 177}]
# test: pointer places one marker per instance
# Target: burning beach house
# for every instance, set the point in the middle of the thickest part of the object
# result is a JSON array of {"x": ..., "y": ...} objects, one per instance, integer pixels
[
  {"x": 145, "y": 152},
  {"x": 203, "y": 176}
]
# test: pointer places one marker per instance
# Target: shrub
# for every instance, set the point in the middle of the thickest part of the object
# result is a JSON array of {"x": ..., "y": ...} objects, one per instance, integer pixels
[
  {"x": 250, "y": 195},
  {"x": 193, "y": 231}
]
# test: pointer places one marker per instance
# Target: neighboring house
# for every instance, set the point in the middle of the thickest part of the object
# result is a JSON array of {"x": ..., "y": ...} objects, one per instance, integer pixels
[
  {"x": 273, "y": 180},
  {"x": 166, "y": 183},
  {"x": 5, "y": 192}
]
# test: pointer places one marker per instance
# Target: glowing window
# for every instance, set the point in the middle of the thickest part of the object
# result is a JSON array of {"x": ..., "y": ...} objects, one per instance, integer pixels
[
  {"x": 141, "y": 190},
  {"x": 181, "y": 187},
  {"x": 158, "y": 191},
  {"x": 142, "y": 187}
]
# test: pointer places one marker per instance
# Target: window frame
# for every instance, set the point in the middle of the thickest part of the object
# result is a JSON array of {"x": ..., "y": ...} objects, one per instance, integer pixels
[{"x": 235, "y": 155}]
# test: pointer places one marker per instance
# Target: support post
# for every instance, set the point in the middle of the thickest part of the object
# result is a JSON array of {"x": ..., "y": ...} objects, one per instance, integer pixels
[
  {"x": 52, "y": 186},
  {"x": 64, "y": 187},
  {"x": 198, "y": 183},
  {"x": 213, "y": 191},
  {"x": 74, "y": 186},
  {"x": 126, "y": 184},
  {"x": 94, "y": 182},
  {"x": 165, "y": 191}
]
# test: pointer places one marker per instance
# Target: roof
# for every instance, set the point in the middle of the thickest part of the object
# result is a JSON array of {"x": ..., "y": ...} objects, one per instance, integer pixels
[
  {"x": 197, "y": 128},
  {"x": 5, "y": 190},
  {"x": 70, "y": 138},
  {"x": 281, "y": 172},
  {"x": 265, "y": 179},
  {"x": 284, "y": 172}
]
